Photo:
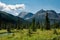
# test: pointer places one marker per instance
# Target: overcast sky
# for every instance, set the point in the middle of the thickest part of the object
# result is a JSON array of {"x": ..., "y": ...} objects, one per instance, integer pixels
[{"x": 16, "y": 6}]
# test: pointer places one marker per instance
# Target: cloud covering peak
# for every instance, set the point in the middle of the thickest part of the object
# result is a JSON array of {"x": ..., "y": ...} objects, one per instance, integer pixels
[{"x": 13, "y": 9}]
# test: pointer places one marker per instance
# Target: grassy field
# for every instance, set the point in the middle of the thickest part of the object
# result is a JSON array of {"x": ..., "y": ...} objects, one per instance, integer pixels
[{"x": 24, "y": 35}]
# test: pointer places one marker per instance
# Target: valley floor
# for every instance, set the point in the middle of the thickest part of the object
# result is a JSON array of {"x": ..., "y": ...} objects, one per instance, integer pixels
[{"x": 24, "y": 35}]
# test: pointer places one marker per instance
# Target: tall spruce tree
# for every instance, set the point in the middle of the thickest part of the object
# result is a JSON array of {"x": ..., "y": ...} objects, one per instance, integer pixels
[
  {"x": 8, "y": 28},
  {"x": 56, "y": 24},
  {"x": 33, "y": 25},
  {"x": 18, "y": 24},
  {"x": 0, "y": 21},
  {"x": 47, "y": 22},
  {"x": 38, "y": 25}
]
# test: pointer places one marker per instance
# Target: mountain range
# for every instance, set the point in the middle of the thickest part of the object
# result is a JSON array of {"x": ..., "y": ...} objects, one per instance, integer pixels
[
  {"x": 28, "y": 16},
  {"x": 40, "y": 15}
]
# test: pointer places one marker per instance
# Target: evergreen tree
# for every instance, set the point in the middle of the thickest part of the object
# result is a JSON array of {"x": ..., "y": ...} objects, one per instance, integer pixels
[
  {"x": 34, "y": 25},
  {"x": 0, "y": 21},
  {"x": 29, "y": 32},
  {"x": 47, "y": 22},
  {"x": 38, "y": 25},
  {"x": 18, "y": 24},
  {"x": 8, "y": 28},
  {"x": 56, "y": 24}
]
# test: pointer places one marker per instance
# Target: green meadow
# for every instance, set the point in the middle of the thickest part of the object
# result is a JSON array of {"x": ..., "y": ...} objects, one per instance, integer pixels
[{"x": 24, "y": 35}]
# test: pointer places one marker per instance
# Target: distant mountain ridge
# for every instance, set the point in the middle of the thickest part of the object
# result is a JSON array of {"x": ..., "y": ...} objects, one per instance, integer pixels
[
  {"x": 25, "y": 15},
  {"x": 40, "y": 15},
  {"x": 28, "y": 16}
]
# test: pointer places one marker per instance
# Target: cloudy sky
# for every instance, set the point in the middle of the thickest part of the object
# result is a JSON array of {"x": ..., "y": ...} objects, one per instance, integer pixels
[{"x": 16, "y": 6}]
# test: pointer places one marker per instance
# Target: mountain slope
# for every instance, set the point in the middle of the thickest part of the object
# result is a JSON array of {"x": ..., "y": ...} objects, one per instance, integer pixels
[
  {"x": 22, "y": 14},
  {"x": 25, "y": 15},
  {"x": 40, "y": 16},
  {"x": 28, "y": 16},
  {"x": 10, "y": 18}
]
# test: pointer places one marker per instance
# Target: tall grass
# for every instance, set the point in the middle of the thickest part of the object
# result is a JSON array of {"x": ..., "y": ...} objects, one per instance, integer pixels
[{"x": 23, "y": 35}]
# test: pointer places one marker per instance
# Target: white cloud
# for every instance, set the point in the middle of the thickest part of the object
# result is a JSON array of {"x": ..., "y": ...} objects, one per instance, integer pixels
[{"x": 11, "y": 8}]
